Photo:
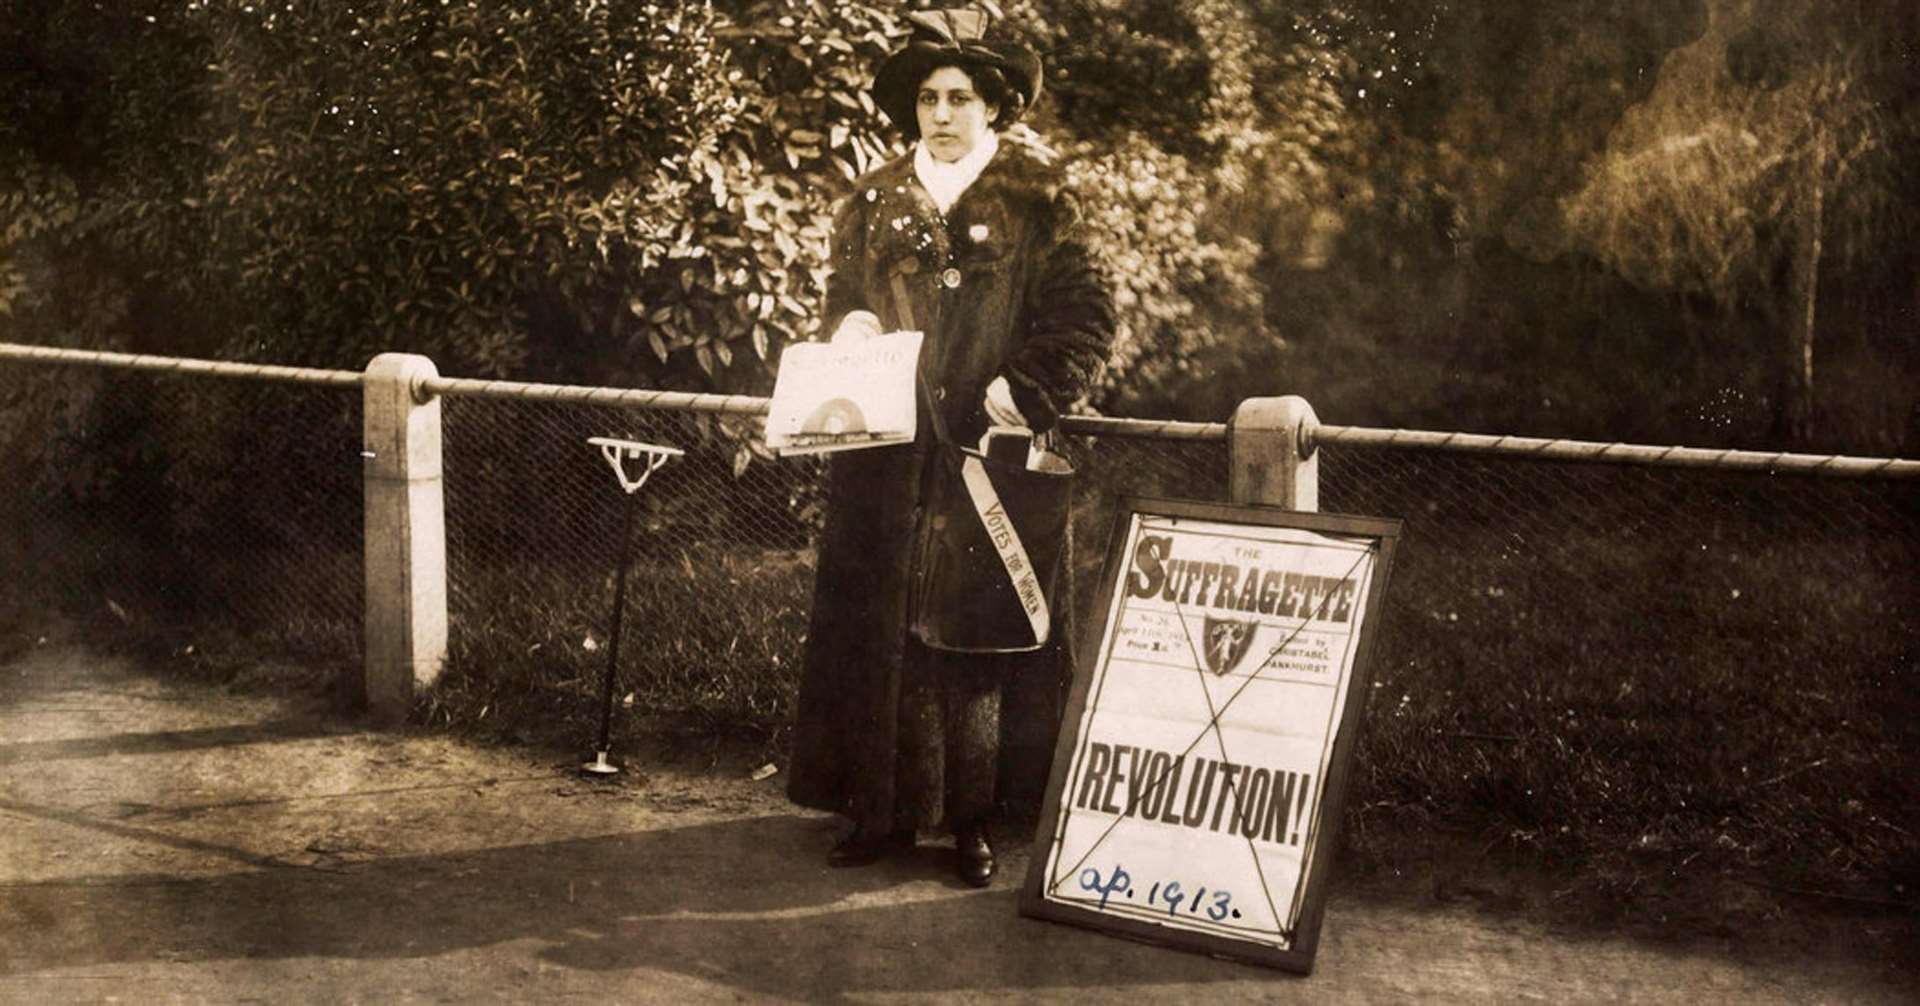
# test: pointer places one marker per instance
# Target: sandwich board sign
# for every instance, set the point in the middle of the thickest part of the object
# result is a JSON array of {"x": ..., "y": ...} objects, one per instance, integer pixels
[{"x": 1197, "y": 787}]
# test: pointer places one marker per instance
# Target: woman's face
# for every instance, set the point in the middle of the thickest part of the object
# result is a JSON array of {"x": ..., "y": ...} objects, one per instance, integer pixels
[{"x": 953, "y": 117}]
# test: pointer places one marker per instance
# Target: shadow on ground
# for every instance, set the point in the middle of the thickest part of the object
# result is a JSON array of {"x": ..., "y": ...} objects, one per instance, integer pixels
[
  {"x": 737, "y": 902},
  {"x": 162, "y": 741}
]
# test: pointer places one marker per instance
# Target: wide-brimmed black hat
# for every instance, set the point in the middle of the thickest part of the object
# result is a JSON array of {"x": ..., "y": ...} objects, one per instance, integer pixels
[{"x": 956, "y": 37}]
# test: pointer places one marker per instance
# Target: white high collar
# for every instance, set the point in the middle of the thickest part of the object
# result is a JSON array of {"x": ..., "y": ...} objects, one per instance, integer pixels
[{"x": 945, "y": 180}]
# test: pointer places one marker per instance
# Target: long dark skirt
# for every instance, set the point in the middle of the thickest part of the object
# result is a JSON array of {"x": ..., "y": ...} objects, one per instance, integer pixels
[{"x": 887, "y": 732}]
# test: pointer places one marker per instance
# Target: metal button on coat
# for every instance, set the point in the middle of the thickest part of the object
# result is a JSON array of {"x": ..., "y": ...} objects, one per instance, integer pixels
[
  {"x": 940, "y": 394},
  {"x": 951, "y": 277}
]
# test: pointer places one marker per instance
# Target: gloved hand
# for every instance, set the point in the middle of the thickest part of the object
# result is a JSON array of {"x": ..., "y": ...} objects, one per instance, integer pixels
[
  {"x": 999, "y": 405},
  {"x": 857, "y": 326}
]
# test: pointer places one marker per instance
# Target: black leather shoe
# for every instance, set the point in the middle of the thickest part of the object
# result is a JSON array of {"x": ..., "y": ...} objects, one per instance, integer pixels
[
  {"x": 975, "y": 864},
  {"x": 864, "y": 848}
]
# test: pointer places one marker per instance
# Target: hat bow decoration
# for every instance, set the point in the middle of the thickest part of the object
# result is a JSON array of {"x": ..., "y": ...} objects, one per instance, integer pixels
[
  {"x": 956, "y": 37},
  {"x": 954, "y": 27}
]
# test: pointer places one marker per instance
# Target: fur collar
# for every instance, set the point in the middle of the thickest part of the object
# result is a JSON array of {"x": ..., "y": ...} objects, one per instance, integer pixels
[{"x": 902, "y": 221}]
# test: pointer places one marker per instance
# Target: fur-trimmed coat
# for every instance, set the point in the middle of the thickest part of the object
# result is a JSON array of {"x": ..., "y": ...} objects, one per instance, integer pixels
[{"x": 1005, "y": 285}]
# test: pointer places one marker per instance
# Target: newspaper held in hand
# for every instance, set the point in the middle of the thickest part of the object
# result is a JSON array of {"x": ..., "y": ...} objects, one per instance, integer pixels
[{"x": 841, "y": 396}]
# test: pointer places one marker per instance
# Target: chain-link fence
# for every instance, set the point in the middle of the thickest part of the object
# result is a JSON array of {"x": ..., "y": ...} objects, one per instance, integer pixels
[
  {"x": 1656, "y": 571},
  {"x": 1596, "y": 644},
  {"x": 722, "y": 575},
  {"x": 1716, "y": 666},
  {"x": 180, "y": 511},
  {"x": 717, "y": 599},
  {"x": 197, "y": 511}
]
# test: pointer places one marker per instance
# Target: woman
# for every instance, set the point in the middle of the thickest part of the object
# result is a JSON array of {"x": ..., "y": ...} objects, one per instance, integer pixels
[{"x": 971, "y": 241}]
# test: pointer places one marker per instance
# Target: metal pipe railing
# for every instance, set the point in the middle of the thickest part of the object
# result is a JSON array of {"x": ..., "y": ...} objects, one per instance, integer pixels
[
  {"x": 1312, "y": 437},
  {"x": 1156, "y": 429},
  {"x": 1838, "y": 465},
  {"x": 179, "y": 365},
  {"x": 683, "y": 401}
]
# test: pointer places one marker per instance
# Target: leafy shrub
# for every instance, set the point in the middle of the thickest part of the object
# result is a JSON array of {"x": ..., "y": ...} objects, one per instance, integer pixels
[{"x": 427, "y": 178}]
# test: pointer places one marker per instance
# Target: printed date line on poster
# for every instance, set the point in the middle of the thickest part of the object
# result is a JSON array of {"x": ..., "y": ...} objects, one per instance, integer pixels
[{"x": 1196, "y": 791}]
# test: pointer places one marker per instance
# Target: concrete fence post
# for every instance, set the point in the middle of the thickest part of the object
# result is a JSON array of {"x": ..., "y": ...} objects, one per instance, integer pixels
[
  {"x": 405, "y": 534},
  {"x": 1270, "y": 455}
]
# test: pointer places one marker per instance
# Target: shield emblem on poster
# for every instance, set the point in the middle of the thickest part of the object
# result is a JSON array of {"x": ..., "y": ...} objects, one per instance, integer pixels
[{"x": 1227, "y": 641}]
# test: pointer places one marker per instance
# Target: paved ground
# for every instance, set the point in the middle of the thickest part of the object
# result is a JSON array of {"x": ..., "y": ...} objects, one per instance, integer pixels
[{"x": 162, "y": 842}]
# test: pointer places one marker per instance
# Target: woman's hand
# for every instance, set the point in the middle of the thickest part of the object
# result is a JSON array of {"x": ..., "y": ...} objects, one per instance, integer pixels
[
  {"x": 857, "y": 326},
  {"x": 999, "y": 405}
]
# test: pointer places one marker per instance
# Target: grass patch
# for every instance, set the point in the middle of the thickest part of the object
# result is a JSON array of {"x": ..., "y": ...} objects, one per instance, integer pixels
[
  {"x": 712, "y": 637},
  {"x": 1672, "y": 698}
]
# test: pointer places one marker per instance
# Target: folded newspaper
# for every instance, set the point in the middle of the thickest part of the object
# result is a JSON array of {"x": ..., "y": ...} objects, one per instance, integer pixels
[{"x": 840, "y": 396}]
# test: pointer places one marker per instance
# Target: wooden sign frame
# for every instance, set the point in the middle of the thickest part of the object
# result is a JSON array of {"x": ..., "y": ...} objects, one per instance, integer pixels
[{"x": 1306, "y": 590}]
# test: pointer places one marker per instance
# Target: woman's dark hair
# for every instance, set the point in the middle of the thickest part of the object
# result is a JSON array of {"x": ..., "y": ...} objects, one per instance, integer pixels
[{"x": 988, "y": 82}]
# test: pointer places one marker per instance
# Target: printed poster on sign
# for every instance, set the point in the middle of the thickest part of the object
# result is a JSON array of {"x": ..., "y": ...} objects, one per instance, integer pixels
[{"x": 1199, "y": 780}]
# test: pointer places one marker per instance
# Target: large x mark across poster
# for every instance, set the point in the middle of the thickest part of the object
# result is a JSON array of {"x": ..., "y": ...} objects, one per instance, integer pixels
[{"x": 1193, "y": 797}]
